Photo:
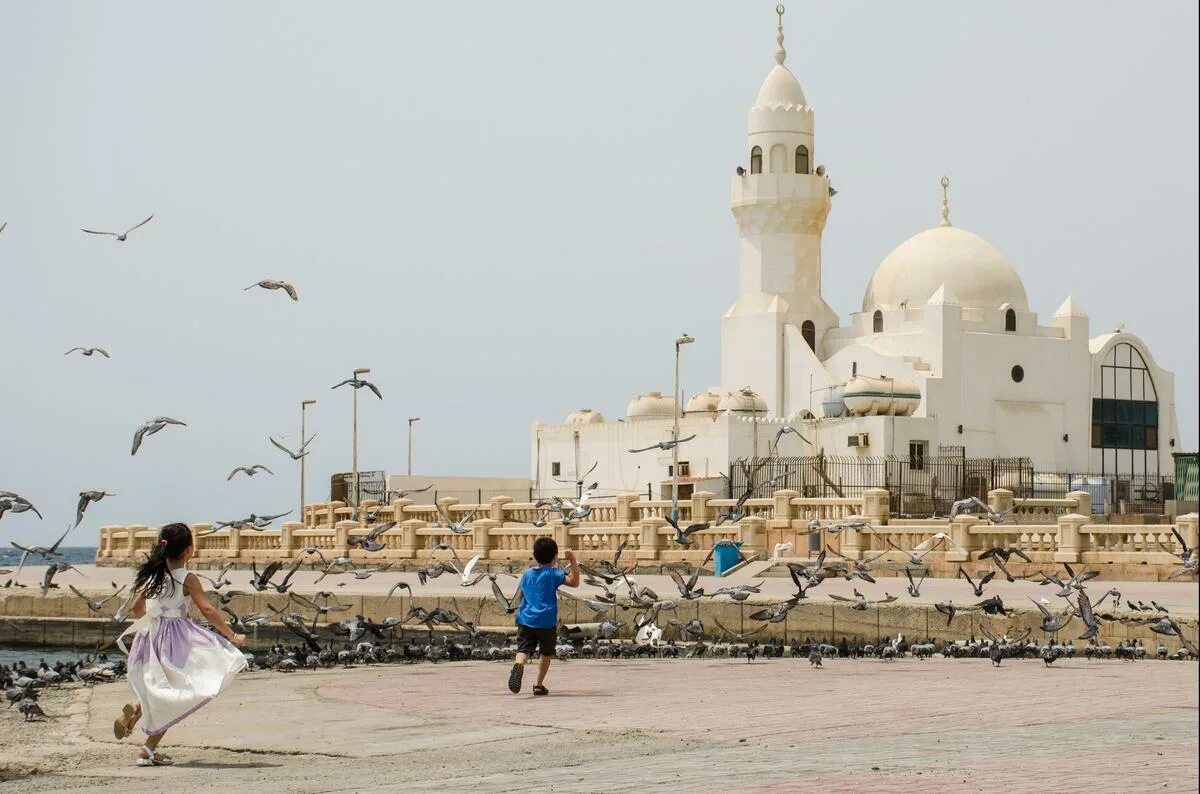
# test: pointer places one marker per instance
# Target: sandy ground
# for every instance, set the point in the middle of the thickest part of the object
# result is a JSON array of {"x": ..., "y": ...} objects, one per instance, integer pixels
[{"x": 624, "y": 726}]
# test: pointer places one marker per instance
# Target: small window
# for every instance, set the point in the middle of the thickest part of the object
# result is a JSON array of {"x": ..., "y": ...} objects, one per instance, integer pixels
[
  {"x": 877, "y": 322},
  {"x": 555, "y": 469},
  {"x": 685, "y": 470},
  {"x": 809, "y": 332},
  {"x": 854, "y": 369},
  {"x": 801, "y": 159},
  {"x": 756, "y": 160},
  {"x": 1010, "y": 321},
  {"x": 916, "y": 455},
  {"x": 1018, "y": 373}
]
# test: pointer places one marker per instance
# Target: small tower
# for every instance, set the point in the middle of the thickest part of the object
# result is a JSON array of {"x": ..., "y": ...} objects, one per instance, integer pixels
[{"x": 780, "y": 201}]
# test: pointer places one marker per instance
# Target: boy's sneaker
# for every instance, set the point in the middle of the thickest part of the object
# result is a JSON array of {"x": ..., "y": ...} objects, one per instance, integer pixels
[{"x": 514, "y": 678}]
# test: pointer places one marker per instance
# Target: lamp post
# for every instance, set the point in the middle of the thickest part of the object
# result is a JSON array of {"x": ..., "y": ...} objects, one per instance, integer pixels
[
  {"x": 354, "y": 471},
  {"x": 303, "y": 407},
  {"x": 679, "y": 342},
  {"x": 411, "y": 421}
]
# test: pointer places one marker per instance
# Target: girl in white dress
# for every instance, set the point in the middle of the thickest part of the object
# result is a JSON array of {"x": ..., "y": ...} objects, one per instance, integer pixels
[{"x": 175, "y": 666}]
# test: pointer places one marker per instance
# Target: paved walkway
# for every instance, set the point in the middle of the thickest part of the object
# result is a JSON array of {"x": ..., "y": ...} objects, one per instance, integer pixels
[
  {"x": 1181, "y": 598},
  {"x": 629, "y": 726}
]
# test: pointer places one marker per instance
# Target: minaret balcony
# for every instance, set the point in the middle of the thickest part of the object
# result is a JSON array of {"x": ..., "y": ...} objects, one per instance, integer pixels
[{"x": 806, "y": 189}]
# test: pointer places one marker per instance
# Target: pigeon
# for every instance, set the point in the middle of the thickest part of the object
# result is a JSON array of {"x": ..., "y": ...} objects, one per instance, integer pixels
[
  {"x": 120, "y": 237},
  {"x": 358, "y": 383},
  {"x": 89, "y": 351},
  {"x": 293, "y": 455},
  {"x": 978, "y": 588},
  {"x": 86, "y": 498},
  {"x": 283, "y": 285},
  {"x": 14, "y": 503},
  {"x": 665, "y": 446},
  {"x": 151, "y": 427},
  {"x": 249, "y": 471}
]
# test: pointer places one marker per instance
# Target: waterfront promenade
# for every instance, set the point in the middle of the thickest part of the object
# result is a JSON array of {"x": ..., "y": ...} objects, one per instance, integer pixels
[{"x": 627, "y": 726}]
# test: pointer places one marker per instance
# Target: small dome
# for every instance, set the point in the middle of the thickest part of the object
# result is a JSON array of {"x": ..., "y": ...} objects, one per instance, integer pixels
[
  {"x": 585, "y": 416},
  {"x": 781, "y": 89},
  {"x": 966, "y": 265},
  {"x": 703, "y": 403},
  {"x": 651, "y": 406},
  {"x": 743, "y": 401}
]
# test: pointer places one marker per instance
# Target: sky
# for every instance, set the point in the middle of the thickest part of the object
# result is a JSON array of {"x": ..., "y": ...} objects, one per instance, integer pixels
[{"x": 508, "y": 211}]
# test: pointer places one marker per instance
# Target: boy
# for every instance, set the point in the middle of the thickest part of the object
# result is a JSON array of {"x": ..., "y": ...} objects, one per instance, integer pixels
[{"x": 537, "y": 618}]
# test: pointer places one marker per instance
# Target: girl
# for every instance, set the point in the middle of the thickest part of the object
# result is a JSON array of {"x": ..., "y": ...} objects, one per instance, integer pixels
[{"x": 175, "y": 667}]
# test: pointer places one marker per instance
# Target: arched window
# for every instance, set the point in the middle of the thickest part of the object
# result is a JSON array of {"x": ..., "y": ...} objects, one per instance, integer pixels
[
  {"x": 1010, "y": 320},
  {"x": 756, "y": 160},
  {"x": 801, "y": 159},
  {"x": 877, "y": 322},
  {"x": 809, "y": 332}
]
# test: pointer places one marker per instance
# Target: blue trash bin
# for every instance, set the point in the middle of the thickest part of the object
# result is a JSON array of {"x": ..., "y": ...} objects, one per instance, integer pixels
[{"x": 726, "y": 556}]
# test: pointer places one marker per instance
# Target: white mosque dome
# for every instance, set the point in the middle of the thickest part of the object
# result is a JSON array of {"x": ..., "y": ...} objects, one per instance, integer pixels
[
  {"x": 973, "y": 272},
  {"x": 651, "y": 406},
  {"x": 703, "y": 403},
  {"x": 781, "y": 89},
  {"x": 585, "y": 416},
  {"x": 743, "y": 401}
]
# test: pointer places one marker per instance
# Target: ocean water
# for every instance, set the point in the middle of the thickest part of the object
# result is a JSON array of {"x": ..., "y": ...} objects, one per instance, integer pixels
[
  {"x": 76, "y": 555},
  {"x": 9, "y": 655}
]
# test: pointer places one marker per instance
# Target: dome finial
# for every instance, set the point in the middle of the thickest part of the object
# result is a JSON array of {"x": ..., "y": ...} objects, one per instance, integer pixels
[
  {"x": 781, "y": 53},
  {"x": 945, "y": 201}
]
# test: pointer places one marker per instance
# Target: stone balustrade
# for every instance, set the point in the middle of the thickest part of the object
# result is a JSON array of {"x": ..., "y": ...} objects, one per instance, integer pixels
[{"x": 501, "y": 530}]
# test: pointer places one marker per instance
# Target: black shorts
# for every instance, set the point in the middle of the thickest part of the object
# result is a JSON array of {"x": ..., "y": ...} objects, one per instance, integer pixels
[{"x": 529, "y": 638}]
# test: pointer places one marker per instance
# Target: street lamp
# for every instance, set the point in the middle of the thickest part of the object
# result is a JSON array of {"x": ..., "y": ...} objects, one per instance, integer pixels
[
  {"x": 679, "y": 342},
  {"x": 303, "y": 407},
  {"x": 411, "y": 421},
  {"x": 354, "y": 471}
]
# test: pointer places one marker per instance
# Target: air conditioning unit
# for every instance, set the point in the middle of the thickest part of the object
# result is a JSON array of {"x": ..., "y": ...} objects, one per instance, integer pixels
[{"x": 859, "y": 440}]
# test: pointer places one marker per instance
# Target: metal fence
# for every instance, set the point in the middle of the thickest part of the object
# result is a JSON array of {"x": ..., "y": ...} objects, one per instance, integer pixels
[{"x": 927, "y": 485}]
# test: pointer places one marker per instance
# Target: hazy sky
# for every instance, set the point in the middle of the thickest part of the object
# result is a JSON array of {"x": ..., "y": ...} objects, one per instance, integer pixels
[{"x": 509, "y": 210}]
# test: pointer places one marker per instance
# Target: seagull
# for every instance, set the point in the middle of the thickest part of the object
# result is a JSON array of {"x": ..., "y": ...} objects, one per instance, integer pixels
[
  {"x": 293, "y": 455},
  {"x": 283, "y": 285},
  {"x": 120, "y": 237},
  {"x": 664, "y": 445},
  {"x": 358, "y": 383},
  {"x": 86, "y": 498},
  {"x": 250, "y": 471},
  {"x": 151, "y": 427},
  {"x": 89, "y": 351}
]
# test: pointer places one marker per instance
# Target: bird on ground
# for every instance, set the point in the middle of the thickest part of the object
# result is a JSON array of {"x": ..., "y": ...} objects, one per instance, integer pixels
[
  {"x": 1159, "y": 607},
  {"x": 665, "y": 446},
  {"x": 86, "y": 498},
  {"x": 249, "y": 471},
  {"x": 978, "y": 588},
  {"x": 30, "y": 710},
  {"x": 293, "y": 455},
  {"x": 15, "y": 503},
  {"x": 358, "y": 383},
  {"x": 96, "y": 606},
  {"x": 151, "y": 427},
  {"x": 283, "y": 285},
  {"x": 120, "y": 237},
  {"x": 89, "y": 351}
]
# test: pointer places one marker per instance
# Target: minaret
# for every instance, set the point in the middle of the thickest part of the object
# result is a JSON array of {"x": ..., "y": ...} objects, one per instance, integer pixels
[{"x": 781, "y": 198}]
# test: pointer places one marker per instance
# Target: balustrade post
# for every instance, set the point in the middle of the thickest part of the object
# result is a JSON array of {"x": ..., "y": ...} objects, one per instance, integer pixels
[
  {"x": 235, "y": 543},
  {"x": 445, "y": 503},
  {"x": 341, "y": 540},
  {"x": 134, "y": 529},
  {"x": 1083, "y": 503},
  {"x": 625, "y": 511},
  {"x": 360, "y": 510},
  {"x": 753, "y": 534},
  {"x": 960, "y": 533},
  {"x": 200, "y": 537},
  {"x": 783, "y": 509},
  {"x": 651, "y": 542},
  {"x": 877, "y": 506},
  {"x": 331, "y": 509},
  {"x": 481, "y": 532},
  {"x": 1000, "y": 500},
  {"x": 105, "y": 542},
  {"x": 700, "y": 509},
  {"x": 286, "y": 544},
  {"x": 398, "y": 506},
  {"x": 409, "y": 540},
  {"x": 852, "y": 544},
  {"x": 1070, "y": 541},
  {"x": 496, "y": 511},
  {"x": 1189, "y": 528}
]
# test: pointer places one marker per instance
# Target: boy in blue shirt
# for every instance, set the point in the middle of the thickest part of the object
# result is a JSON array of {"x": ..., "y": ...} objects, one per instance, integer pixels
[{"x": 537, "y": 618}]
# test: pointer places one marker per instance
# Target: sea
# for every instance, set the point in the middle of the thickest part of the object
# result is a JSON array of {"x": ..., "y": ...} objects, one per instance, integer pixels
[{"x": 76, "y": 555}]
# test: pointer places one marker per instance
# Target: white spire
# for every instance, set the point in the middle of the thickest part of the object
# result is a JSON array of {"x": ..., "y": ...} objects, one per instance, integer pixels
[{"x": 781, "y": 53}]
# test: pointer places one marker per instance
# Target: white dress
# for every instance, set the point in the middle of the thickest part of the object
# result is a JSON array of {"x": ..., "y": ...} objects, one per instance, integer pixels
[{"x": 175, "y": 666}]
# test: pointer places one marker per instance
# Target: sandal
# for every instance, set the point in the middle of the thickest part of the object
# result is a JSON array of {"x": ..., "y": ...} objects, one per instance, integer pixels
[
  {"x": 154, "y": 758},
  {"x": 123, "y": 725},
  {"x": 540, "y": 690},
  {"x": 514, "y": 678}
]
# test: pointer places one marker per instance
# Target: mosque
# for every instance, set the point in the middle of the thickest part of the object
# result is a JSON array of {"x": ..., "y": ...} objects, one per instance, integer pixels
[{"x": 945, "y": 353}]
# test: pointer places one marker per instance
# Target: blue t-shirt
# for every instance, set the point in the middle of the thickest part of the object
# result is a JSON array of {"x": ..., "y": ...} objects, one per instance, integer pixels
[{"x": 539, "y": 600}]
